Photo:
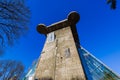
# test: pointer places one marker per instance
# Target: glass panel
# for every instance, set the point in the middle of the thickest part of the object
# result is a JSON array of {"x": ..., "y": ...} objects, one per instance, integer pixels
[
  {"x": 31, "y": 72},
  {"x": 95, "y": 70}
]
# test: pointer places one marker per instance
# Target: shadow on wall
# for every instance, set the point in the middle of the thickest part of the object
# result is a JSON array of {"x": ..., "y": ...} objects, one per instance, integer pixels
[
  {"x": 77, "y": 78},
  {"x": 52, "y": 79},
  {"x": 44, "y": 79}
]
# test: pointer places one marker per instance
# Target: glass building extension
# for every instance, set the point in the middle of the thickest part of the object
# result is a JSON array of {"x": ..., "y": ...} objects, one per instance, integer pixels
[
  {"x": 31, "y": 72},
  {"x": 95, "y": 69}
]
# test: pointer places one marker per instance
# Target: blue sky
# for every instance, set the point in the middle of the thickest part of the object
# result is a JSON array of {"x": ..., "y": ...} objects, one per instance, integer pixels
[{"x": 98, "y": 30}]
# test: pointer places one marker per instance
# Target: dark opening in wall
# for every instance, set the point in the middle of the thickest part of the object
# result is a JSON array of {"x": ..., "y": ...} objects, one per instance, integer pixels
[{"x": 67, "y": 52}]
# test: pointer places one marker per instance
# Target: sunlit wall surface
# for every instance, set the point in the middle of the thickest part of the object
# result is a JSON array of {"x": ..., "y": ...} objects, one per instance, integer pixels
[{"x": 94, "y": 69}]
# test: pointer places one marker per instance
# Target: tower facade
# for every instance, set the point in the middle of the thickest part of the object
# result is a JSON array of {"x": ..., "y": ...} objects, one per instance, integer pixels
[
  {"x": 59, "y": 59},
  {"x": 62, "y": 57}
]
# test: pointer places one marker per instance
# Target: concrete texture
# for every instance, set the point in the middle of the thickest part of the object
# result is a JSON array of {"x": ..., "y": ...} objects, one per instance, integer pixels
[{"x": 59, "y": 59}]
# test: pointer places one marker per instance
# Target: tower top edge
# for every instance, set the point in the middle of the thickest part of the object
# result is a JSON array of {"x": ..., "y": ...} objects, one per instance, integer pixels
[{"x": 72, "y": 18}]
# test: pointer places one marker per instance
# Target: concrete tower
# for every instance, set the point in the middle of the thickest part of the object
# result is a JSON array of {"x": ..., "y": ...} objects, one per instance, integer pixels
[
  {"x": 59, "y": 59},
  {"x": 62, "y": 57}
]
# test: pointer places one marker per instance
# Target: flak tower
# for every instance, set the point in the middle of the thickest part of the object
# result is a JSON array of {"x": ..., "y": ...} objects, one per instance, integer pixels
[
  {"x": 62, "y": 57},
  {"x": 59, "y": 59}
]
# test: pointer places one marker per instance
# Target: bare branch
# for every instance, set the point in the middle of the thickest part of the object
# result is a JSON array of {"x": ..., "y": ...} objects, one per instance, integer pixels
[
  {"x": 10, "y": 69},
  {"x": 14, "y": 18},
  {"x": 112, "y": 3}
]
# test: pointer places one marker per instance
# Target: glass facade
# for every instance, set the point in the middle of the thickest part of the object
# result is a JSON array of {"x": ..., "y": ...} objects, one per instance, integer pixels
[
  {"x": 95, "y": 69},
  {"x": 30, "y": 74}
]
